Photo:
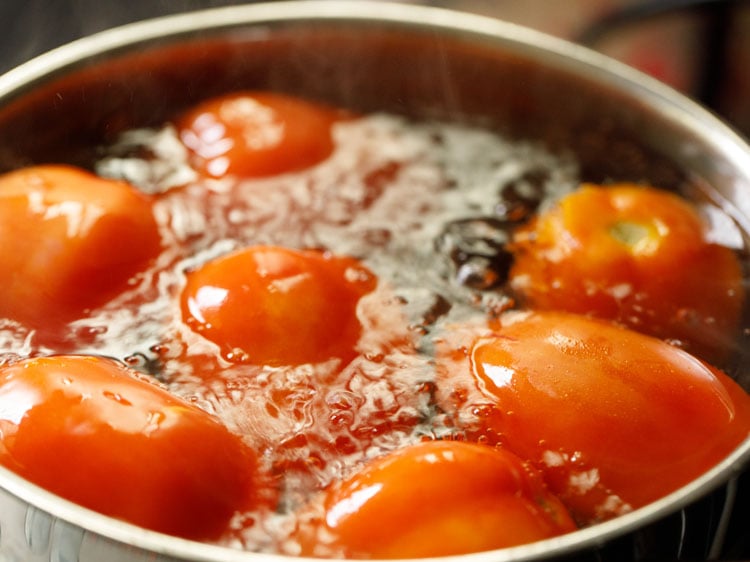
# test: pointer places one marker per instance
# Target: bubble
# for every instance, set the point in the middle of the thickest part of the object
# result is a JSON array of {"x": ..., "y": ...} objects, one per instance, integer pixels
[
  {"x": 521, "y": 198},
  {"x": 424, "y": 307},
  {"x": 478, "y": 251},
  {"x": 117, "y": 397}
]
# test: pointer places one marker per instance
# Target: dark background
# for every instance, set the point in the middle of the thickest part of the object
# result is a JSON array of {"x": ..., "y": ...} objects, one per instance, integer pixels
[{"x": 31, "y": 27}]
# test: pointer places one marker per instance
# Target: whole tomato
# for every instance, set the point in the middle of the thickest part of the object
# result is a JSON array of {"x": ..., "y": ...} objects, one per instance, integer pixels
[
  {"x": 614, "y": 419},
  {"x": 257, "y": 134},
  {"x": 278, "y": 306},
  {"x": 636, "y": 255},
  {"x": 71, "y": 241},
  {"x": 285, "y": 346},
  {"x": 435, "y": 498},
  {"x": 90, "y": 430}
]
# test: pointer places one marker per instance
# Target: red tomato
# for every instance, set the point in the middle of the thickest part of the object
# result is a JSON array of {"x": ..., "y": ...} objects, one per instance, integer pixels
[
  {"x": 255, "y": 134},
  {"x": 88, "y": 429},
  {"x": 70, "y": 242},
  {"x": 635, "y": 255},
  {"x": 614, "y": 418},
  {"x": 274, "y": 305},
  {"x": 436, "y": 498}
]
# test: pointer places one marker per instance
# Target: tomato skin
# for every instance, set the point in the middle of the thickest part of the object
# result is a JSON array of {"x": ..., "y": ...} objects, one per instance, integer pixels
[
  {"x": 273, "y": 305},
  {"x": 87, "y": 429},
  {"x": 635, "y": 255},
  {"x": 71, "y": 241},
  {"x": 588, "y": 401},
  {"x": 257, "y": 134},
  {"x": 437, "y": 498}
]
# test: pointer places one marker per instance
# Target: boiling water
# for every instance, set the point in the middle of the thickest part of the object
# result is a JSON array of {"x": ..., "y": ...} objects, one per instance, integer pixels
[{"x": 428, "y": 209}]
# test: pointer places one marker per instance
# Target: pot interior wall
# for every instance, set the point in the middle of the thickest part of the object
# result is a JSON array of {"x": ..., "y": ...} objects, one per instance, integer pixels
[{"x": 359, "y": 66}]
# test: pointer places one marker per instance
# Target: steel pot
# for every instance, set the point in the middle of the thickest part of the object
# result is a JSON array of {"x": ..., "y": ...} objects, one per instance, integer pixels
[{"x": 367, "y": 56}]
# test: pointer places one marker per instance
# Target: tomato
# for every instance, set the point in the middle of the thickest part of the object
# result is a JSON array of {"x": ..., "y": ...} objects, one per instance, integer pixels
[
  {"x": 91, "y": 431},
  {"x": 273, "y": 305},
  {"x": 256, "y": 134},
  {"x": 435, "y": 498},
  {"x": 635, "y": 255},
  {"x": 363, "y": 383},
  {"x": 70, "y": 241},
  {"x": 615, "y": 419}
]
